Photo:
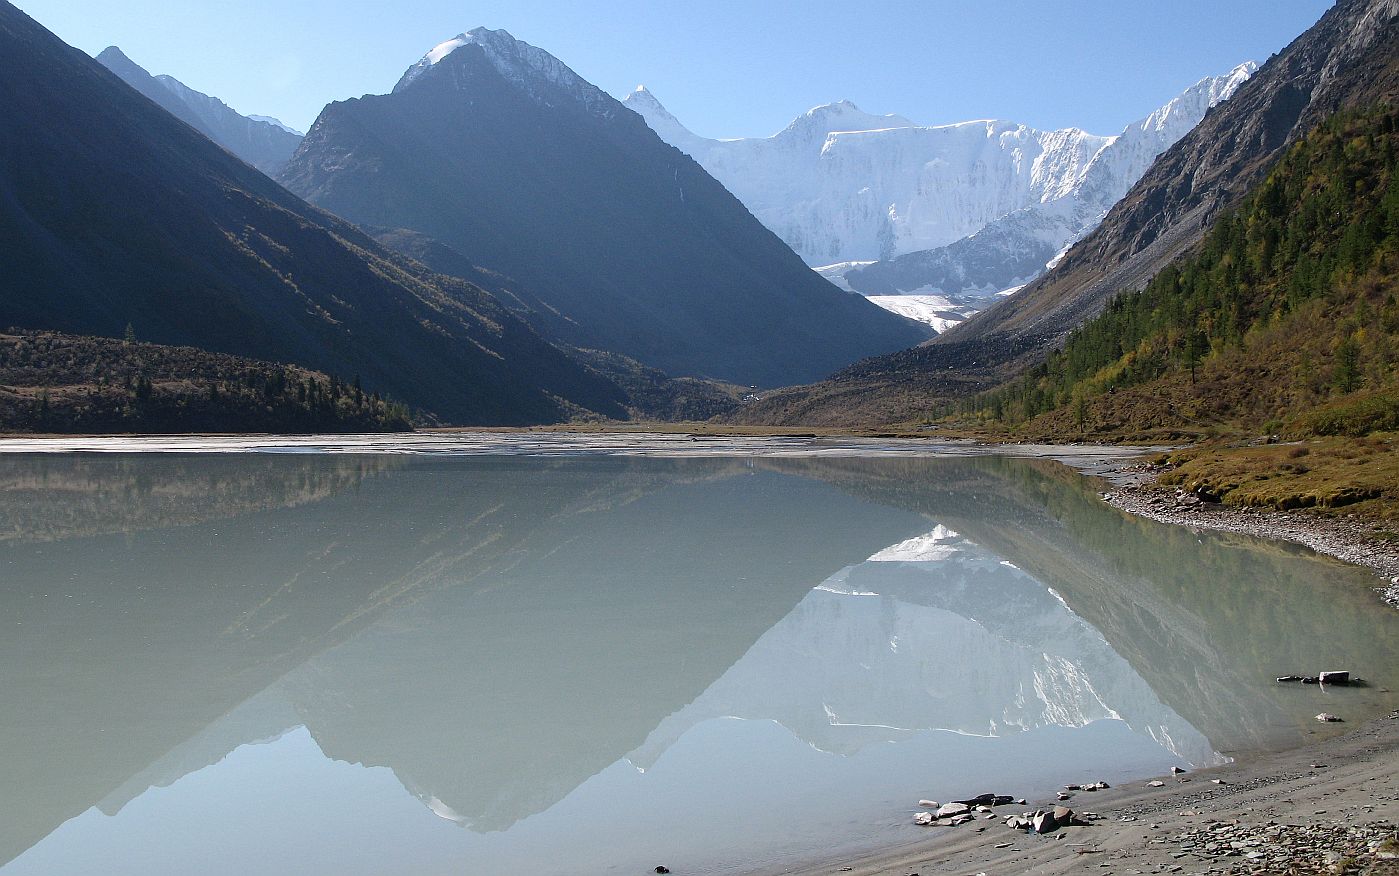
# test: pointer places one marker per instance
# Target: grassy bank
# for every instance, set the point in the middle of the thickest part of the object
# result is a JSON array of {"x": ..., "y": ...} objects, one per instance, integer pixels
[{"x": 1356, "y": 476}]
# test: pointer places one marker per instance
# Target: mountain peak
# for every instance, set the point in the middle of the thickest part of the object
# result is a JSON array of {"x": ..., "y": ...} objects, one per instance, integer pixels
[
  {"x": 661, "y": 120},
  {"x": 1183, "y": 111},
  {"x": 116, "y": 60},
  {"x": 842, "y": 115},
  {"x": 531, "y": 69},
  {"x": 646, "y": 104}
]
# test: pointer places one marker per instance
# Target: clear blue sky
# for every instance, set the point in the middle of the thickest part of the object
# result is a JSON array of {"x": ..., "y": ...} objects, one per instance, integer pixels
[{"x": 726, "y": 68}]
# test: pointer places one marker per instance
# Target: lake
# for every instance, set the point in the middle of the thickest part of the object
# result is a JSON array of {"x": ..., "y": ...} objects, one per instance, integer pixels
[{"x": 597, "y": 661}]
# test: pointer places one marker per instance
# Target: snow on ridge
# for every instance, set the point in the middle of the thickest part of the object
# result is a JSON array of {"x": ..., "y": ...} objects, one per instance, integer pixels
[
  {"x": 940, "y": 544},
  {"x": 1194, "y": 101},
  {"x": 523, "y": 65},
  {"x": 442, "y": 50},
  {"x": 841, "y": 185}
]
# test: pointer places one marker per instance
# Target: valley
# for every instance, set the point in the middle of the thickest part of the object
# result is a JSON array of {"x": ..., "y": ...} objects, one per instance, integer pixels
[{"x": 502, "y": 476}]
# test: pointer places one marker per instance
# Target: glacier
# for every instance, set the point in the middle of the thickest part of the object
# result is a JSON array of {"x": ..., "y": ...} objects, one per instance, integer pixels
[{"x": 952, "y": 215}]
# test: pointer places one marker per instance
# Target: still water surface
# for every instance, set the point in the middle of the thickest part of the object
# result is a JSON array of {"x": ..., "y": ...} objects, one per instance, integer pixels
[{"x": 362, "y": 664}]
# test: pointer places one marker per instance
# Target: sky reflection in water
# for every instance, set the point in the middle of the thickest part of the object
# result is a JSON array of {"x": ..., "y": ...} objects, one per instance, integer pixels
[{"x": 359, "y": 664}]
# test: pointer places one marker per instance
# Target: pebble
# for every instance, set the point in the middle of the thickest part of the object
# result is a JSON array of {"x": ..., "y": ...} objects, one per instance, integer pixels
[{"x": 1305, "y": 848}]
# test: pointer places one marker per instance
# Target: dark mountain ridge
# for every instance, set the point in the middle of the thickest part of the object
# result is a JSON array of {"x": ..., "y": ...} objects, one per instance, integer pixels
[
  {"x": 262, "y": 144},
  {"x": 618, "y": 241},
  {"x": 114, "y": 213}
]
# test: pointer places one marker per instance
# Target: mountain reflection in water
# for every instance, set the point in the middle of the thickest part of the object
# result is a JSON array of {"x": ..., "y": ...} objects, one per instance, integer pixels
[{"x": 551, "y": 653}]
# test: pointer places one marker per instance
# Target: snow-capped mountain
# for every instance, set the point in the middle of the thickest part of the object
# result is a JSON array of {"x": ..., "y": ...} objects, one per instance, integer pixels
[
  {"x": 954, "y": 213},
  {"x": 526, "y": 67},
  {"x": 861, "y": 660},
  {"x": 496, "y": 150}
]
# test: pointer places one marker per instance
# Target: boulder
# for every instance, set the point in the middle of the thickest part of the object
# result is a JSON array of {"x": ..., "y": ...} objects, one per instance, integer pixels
[
  {"x": 960, "y": 819},
  {"x": 1044, "y": 822},
  {"x": 948, "y": 810},
  {"x": 923, "y": 818},
  {"x": 1335, "y": 677},
  {"x": 1328, "y": 718},
  {"x": 979, "y": 800}
]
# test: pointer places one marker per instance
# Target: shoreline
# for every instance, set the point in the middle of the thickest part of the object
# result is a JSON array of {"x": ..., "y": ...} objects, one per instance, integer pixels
[
  {"x": 1293, "y": 808},
  {"x": 1314, "y": 808},
  {"x": 1345, "y": 538},
  {"x": 1363, "y": 764},
  {"x": 1120, "y": 466}
]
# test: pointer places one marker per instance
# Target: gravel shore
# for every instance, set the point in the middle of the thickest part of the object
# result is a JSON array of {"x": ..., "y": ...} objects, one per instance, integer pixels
[
  {"x": 1351, "y": 539},
  {"x": 1327, "y": 808}
]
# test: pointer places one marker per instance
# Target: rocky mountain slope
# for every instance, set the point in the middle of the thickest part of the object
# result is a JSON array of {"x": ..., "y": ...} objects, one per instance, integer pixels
[
  {"x": 117, "y": 214},
  {"x": 958, "y": 212},
  {"x": 617, "y": 241},
  {"x": 263, "y": 142},
  {"x": 1283, "y": 319}
]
